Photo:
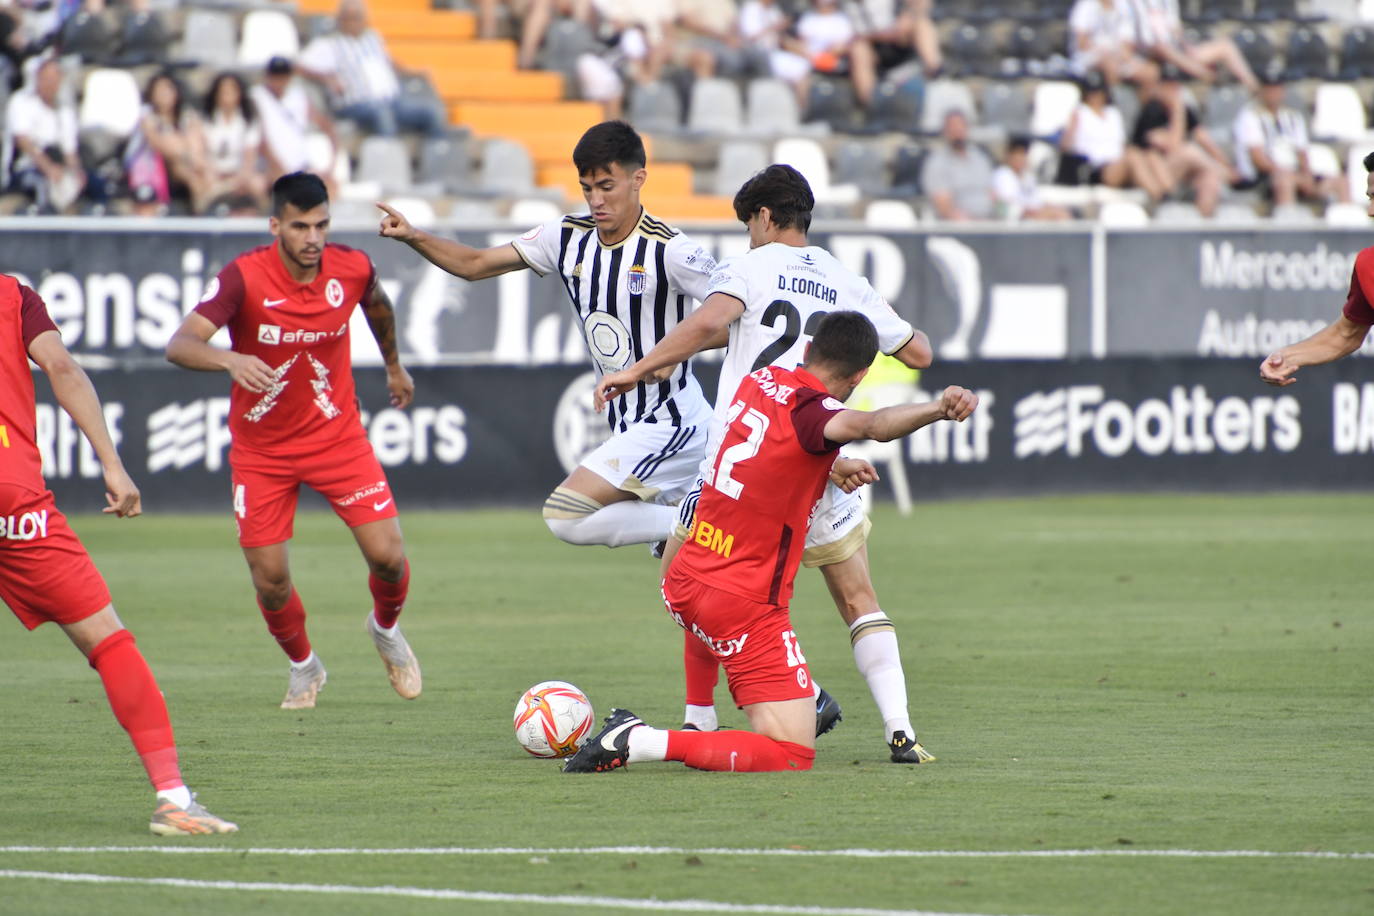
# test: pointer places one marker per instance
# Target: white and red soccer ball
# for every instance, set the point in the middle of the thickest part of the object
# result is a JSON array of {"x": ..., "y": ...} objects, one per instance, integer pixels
[{"x": 552, "y": 719}]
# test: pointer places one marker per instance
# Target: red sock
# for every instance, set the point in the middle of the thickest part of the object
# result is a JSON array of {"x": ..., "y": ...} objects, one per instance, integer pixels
[
  {"x": 139, "y": 706},
  {"x": 702, "y": 671},
  {"x": 389, "y": 597},
  {"x": 737, "y": 751},
  {"x": 287, "y": 626}
]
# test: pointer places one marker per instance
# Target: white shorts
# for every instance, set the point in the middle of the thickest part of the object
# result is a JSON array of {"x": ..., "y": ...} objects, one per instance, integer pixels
[{"x": 658, "y": 462}]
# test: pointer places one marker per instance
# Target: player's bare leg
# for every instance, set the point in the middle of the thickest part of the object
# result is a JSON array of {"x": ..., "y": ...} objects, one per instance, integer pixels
[
  {"x": 876, "y": 654},
  {"x": 587, "y": 509},
  {"x": 389, "y": 581},
  {"x": 139, "y": 707},
  {"x": 284, "y": 614}
]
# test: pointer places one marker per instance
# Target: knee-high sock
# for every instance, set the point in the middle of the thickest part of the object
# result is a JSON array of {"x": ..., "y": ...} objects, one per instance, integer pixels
[
  {"x": 736, "y": 751},
  {"x": 578, "y": 519},
  {"x": 388, "y": 598},
  {"x": 701, "y": 672},
  {"x": 138, "y": 705},
  {"x": 876, "y": 654},
  {"x": 287, "y": 626}
]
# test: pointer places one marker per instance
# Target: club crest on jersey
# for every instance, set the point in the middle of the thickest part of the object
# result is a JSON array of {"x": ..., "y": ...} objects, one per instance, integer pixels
[
  {"x": 333, "y": 292},
  {"x": 269, "y": 333},
  {"x": 635, "y": 279}
]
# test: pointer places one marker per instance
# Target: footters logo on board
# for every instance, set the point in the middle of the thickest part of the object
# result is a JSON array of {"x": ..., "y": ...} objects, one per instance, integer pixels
[{"x": 1188, "y": 422}]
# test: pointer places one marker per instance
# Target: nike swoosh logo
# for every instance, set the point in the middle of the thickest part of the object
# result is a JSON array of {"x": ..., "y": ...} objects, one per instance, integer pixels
[
  {"x": 608, "y": 739},
  {"x": 268, "y": 303},
  {"x": 382, "y": 505}
]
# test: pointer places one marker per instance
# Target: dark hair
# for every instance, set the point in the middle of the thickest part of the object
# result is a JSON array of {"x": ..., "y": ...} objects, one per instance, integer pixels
[
  {"x": 784, "y": 191},
  {"x": 846, "y": 341},
  {"x": 1369, "y": 163},
  {"x": 167, "y": 75},
  {"x": 606, "y": 143},
  {"x": 1018, "y": 141},
  {"x": 302, "y": 190},
  {"x": 245, "y": 103}
]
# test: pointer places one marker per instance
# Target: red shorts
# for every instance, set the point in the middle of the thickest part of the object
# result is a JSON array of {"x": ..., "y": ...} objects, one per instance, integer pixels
[
  {"x": 754, "y": 641},
  {"x": 265, "y": 489},
  {"x": 45, "y": 573}
]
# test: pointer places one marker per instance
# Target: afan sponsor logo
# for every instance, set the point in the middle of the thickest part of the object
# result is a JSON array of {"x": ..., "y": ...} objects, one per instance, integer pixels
[
  {"x": 1189, "y": 422},
  {"x": 711, "y": 537},
  {"x": 272, "y": 334},
  {"x": 770, "y": 387},
  {"x": 27, "y": 527},
  {"x": 364, "y": 493}
]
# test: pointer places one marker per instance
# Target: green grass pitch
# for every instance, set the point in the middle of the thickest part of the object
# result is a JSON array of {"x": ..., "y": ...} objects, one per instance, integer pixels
[{"x": 1129, "y": 676}]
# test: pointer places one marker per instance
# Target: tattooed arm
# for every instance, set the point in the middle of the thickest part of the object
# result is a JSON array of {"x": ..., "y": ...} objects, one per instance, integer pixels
[{"x": 381, "y": 318}]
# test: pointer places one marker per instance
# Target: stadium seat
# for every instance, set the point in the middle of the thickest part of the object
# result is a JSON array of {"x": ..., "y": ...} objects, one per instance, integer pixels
[
  {"x": 1234, "y": 214},
  {"x": 267, "y": 34},
  {"x": 533, "y": 211},
  {"x": 806, "y": 156},
  {"x": 325, "y": 160},
  {"x": 418, "y": 211},
  {"x": 1323, "y": 161},
  {"x": 1177, "y": 213},
  {"x": 1355, "y": 171},
  {"x": 772, "y": 107},
  {"x": 715, "y": 107},
  {"x": 506, "y": 168},
  {"x": 906, "y": 170},
  {"x": 736, "y": 162},
  {"x": 968, "y": 52},
  {"x": 1127, "y": 101},
  {"x": 88, "y": 36},
  {"x": 1054, "y": 101},
  {"x": 1028, "y": 48},
  {"x": 564, "y": 42},
  {"x": 943, "y": 96},
  {"x": 890, "y": 214},
  {"x": 110, "y": 101},
  {"x": 862, "y": 163},
  {"x": 1346, "y": 214},
  {"x": 207, "y": 39},
  {"x": 1220, "y": 110},
  {"x": 1123, "y": 214},
  {"x": 446, "y": 161},
  {"x": 1256, "y": 47},
  {"x": 655, "y": 107},
  {"x": 1276, "y": 11},
  {"x": 1293, "y": 215},
  {"x": 1357, "y": 54},
  {"x": 832, "y": 102},
  {"x": 1008, "y": 106},
  {"x": 897, "y": 106},
  {"x": 1307, "y": 55},
  {"x": 143, "y": 40},
  {"x": 385, "y": 160},
  {"x": 1338, "y": 113}
]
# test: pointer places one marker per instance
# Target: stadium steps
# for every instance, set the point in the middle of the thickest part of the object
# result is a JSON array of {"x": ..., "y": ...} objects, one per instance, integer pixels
[
  {"x": 666, "y": 179},
  {"x": 429, "y": 25},
  {"x": 457, "y": 85}
]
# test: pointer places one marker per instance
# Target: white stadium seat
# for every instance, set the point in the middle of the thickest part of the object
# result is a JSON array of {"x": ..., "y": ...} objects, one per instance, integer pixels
[
  {"x": 267, "y": 34},
  {"x": 110, "y": 101},
  {"x": 806, "y": 156},
  {"x": 715, "y": 107},
  {"x": 1054, "y": 102},
  {"x": 1338, "y": 113},
  {"x": 890, "y": 214}
]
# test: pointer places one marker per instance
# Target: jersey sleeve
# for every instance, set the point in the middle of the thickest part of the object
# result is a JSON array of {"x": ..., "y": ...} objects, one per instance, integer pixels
[
  {"x": 893, "y": 330},
  {"x": 539, "y": 247},
  {"x": 729, "y": 278},
  {"x": 690, "y": 267},
  {"x": 811, "y": 410},
  {"x": 1357, "y": 305},
  {"x": 33, "y": 315},
  {"x": 223, "y": 296}
]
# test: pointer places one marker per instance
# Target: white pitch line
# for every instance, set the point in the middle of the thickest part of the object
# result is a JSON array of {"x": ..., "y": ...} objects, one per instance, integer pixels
[
  {"x": 435, "y": 893},
  {"x": 715, "y": 851}
]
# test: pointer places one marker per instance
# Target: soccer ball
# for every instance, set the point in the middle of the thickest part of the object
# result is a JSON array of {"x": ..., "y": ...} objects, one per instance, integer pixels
[{"x": 552, "y": 718}]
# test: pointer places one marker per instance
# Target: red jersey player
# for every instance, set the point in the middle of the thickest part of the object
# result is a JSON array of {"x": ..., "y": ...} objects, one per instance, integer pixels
[
  {"x": 1347, "y": 333},
  {"x": 730, "y": 583},
  {"x": 294, "y": 418},
  {"x": 45, "y": 572}
]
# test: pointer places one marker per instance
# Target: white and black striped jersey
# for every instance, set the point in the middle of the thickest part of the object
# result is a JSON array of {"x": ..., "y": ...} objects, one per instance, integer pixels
[{"x": 627, "y": 297}]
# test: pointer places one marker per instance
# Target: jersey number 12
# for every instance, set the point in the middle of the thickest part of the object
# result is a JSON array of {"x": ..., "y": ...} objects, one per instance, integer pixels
[{"x": 741, "y": 451}]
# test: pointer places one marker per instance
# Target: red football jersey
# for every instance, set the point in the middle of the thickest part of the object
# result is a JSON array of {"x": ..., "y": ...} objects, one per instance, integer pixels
[
  {"x": 756, "y": 504},
  {"x": 1357, "y": 305},
  {"x": 301, "y": 331},
  {"x": 23, "y": 316}
]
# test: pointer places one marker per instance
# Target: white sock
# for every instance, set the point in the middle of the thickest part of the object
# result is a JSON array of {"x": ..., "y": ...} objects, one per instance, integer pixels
[
  {"x": 385, "y": 631},
  {"x": 815, "y": 689},
  {"x": 877, "y": 657},
  {"x": 621, "y": 523},
  {"x": 703, "y": 717},
  {"x": 647, "y": 744},
  {"x": 305, "y": 662},
  {"x": 179, "y": 796}
]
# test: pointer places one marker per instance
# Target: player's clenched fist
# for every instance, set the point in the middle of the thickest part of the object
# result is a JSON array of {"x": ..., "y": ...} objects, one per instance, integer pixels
[
  {"x": 957, "y": 403},
  {"x": 394, "y": 225}
]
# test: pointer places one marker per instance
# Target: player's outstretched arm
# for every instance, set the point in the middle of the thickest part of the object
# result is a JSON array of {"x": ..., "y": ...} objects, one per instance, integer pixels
[
  {"x": 894, "y": 422},
  {"x": 74, "y": 391},
  {"x": 1338, "y": 339},
  {"x": 455, "y": 257},
  {"x": 190, "y": 348},
  {"x": 698, "y": 331},
  {"x": 381, "y": 319}
]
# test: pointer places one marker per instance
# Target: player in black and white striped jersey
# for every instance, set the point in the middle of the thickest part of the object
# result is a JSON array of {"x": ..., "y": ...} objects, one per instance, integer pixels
[{"x": 630, "y": 279}]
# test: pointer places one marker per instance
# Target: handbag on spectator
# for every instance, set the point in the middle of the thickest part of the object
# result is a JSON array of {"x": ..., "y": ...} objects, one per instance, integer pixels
[{"x": 147, "y": 175}]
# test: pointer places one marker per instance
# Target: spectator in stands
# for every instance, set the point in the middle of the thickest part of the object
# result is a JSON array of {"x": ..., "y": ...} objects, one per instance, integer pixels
[
  {"x": 1271, "y": 148},
  {"x": 828, "y": 38},
  {"x": 233, "y": 140},
  {"x": 762, "y": 25},
  {"x": 41, "y": 158},
  {"x": 1159, "y": 33},
  {"x": 1177, "y": 147},
  {"x": 1016, "y": 190},
  {"x": 286, "y": 116},
  {"x": 535, "y": 18},
  {"x": 708, "y": 40},
  {"x": 639, "y": 45},
  {"x": 1093, "y": 148},
  {"x": 165, "y": 159},
  {"x": 1102, "y": 37},
  {"x": 898, "y": 31},
  {"x": 353, "y": 64},
  {"x": 957, "y": 175}
]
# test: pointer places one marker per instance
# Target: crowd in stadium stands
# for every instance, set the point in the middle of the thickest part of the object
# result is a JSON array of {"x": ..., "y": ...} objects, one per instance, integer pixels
[{"x": 1180, "y": 109}]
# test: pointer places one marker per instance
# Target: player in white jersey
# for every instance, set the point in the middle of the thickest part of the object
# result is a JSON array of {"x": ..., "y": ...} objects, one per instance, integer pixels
[
  {"x": 630, "y": 279},
  {"x": 771, "y": 300}
]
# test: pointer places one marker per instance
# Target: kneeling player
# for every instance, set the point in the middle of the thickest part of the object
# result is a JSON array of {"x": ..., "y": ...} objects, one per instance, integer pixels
[{"x": 730, "y": 583}]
